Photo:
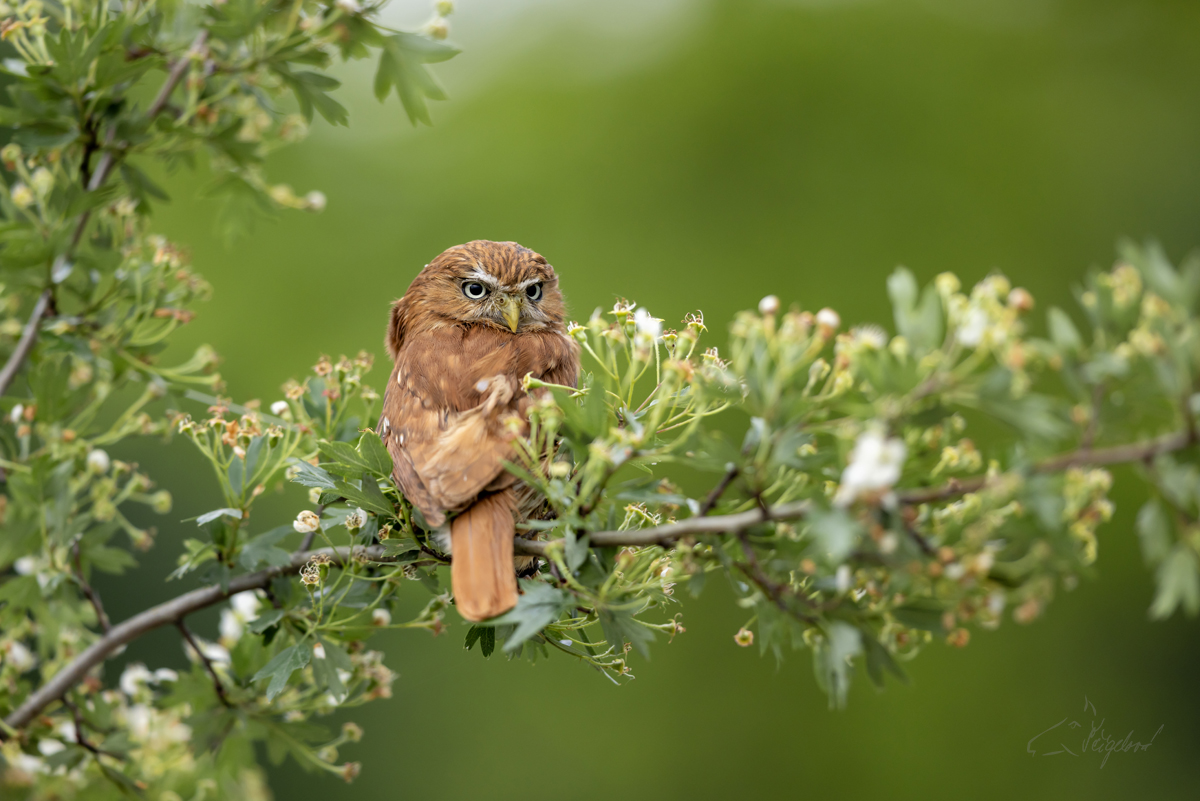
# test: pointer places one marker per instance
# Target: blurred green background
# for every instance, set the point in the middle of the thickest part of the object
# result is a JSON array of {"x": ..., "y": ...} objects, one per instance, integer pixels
[{"x": 701, "y": 155}]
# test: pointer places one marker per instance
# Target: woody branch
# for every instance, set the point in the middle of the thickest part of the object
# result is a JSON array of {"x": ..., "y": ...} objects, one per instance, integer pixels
[{"x": 173, "y": 611}]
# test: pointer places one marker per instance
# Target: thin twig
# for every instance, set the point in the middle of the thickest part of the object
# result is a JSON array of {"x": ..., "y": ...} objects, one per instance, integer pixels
[
  {"x": 88, "y": 592},
  {"x": 80, "y": 738},
  {"x": 208, "y": 665},
  {"x": 774, "y": 590},
  {"x": 718, "y": 491},
  {"x": 25, "y": 343}
]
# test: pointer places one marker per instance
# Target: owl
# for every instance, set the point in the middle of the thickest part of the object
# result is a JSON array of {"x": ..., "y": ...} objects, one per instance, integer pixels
[{"x": 473, "y": 323}]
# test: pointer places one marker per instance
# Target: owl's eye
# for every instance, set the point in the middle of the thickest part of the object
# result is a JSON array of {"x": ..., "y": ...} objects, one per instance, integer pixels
[
  {"x": 474, "y": 290},
  {"x": 534, "y": 291}
]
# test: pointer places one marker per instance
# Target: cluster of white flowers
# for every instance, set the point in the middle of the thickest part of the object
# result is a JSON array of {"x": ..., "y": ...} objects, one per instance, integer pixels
[{"x": 874, "y": 467}]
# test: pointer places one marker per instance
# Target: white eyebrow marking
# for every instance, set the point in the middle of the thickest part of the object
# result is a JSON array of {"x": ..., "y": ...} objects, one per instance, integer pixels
[
  {"x": 529, "y": 282},
  {"x": 479, "y": 275}
]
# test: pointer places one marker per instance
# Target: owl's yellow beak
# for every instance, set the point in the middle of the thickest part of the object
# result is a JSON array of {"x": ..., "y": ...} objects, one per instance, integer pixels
[{"x": 510, "y": 307}]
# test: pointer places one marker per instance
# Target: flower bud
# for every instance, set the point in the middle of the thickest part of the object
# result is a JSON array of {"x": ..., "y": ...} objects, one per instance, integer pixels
[
  {"x": 161, "y": 502},
  {"x": 306, "y": 522},
  {"x": 768, "y": 306},
  {"x": 1020, "y": 299},
  {"x": 9, "y": 154},
  {"x": 22, "y": 196},
  {"x": 42, "y": 181},
  {"x": 98, "y": 462},
  {"x": 828, "y": 321},
  {"x": 381, "y": 617},
  {"x": 315, "y": 201},
  {"x": 444, "y": 8}
]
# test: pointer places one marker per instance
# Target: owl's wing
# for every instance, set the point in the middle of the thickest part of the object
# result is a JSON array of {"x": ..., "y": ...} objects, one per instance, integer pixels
[{"x": 453, "y": 405}]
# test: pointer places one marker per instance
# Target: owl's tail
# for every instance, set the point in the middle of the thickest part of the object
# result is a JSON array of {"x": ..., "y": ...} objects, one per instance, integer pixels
[{"x": 481, "y": 571}]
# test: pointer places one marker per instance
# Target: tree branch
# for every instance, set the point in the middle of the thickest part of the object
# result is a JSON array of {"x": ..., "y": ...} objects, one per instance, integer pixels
[
  {"x": 107, "y": 161},
  {"x": 164, "y": 614},
  {"x": 735, "y": 523},
  {"x": 671, "y": 532}
]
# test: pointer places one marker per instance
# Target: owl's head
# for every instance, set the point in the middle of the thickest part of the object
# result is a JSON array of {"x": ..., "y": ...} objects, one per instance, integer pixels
[{"x": 498, "y": 284}]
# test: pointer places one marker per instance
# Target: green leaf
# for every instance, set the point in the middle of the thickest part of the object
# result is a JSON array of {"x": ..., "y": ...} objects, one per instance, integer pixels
[
  {"x": 308, "y": 475},
  {"x": 1154, "y": 532},
  {"x": 208, "y": 517},
  {"x": 831, "y": 660},
  {"x": 537, "y": 607},
  {"x": 485, "y": 636},
  {"x": 262, "y": 550},
  {"x": 312, "y": 91},
  {"x": 265, "y": 621},
  {"x": 922, "y": 614},
  {"x": 921, "y": 324},
  {"x": 880, "y": 660},
  {"x": 110, "y": 560},
  {"x": 620, "y": 627},
  {"x": 280, "y": 669},
  {"x": 1178, "y": 583},
  {"x": 402, "y": 65},
  {"x": 375, "y": 454},
  {"x": 1063, "y": 332},
  {"x": 836, "y": 532}
]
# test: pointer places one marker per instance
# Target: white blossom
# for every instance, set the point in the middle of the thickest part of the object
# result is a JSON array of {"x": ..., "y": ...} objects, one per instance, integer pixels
[
  {"x": 279, "y": 407},
  {"x": 318, "y": 651},
  {"x": 25, "y": 566},
  {"x": 49, "y": 746},
  {"x": 243, "y": 608},
  {"x": 349, "y": 6},
  {"x": 843, "y": 578},
  {"x": 306, "y": 522},
  {"x": 16, "y": 413},
  {"x": 20, "y": 657},
  {"x": 165, "y": 674},
  {"x": 134, "y": 677},
  {"x": 768, "y": 305},
  {"x": 874, "y": 467},
  {"x": 381, "y": 617},
  {"x": 98, "y": 461},
  {"x": 648, "y": 326},
  {"x": 356, "y": 519},
  {"x": 316, "y": 200},
  {"x": 974, "y": 327}
]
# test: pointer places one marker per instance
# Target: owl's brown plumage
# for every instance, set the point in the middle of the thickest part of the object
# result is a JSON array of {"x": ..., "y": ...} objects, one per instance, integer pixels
[{"x": 472, "y": 324}]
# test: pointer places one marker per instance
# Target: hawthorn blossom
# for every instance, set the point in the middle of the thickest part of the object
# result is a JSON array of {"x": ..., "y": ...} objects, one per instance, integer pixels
[
  {"x": 306, "y": 522},
  {"x": 874, "y": 467},
  {"x": 243, "y": 607}
]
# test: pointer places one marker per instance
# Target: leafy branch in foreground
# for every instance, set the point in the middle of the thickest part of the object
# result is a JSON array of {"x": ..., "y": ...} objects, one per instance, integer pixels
[{"x": 95, "y": 99}]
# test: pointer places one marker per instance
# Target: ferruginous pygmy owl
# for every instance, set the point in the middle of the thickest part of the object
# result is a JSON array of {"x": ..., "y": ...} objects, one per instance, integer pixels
[{"x": 471, "y": 326}]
